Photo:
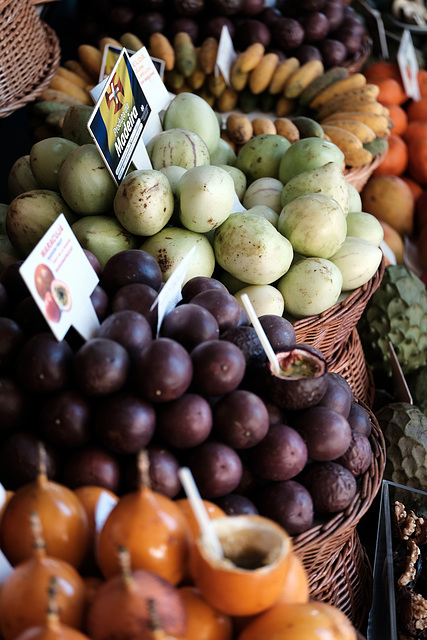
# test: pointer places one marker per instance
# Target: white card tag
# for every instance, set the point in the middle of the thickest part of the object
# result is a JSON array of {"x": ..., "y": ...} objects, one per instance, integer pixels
[
  {"x": 237, "y": 205},
  {"x": 5, "y": 567},
  {"x": 171, "y": 294},
  {"x": 408, "y": 65},
  {"x": 226, "y": 54},
  {"x": 103, "y": 508},
  {"x": 388, "y": 252},
  {"x": 61, "y": 280}
]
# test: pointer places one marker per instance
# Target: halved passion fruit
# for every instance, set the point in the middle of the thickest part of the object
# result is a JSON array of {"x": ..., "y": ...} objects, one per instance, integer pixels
[
  {"x": 61, "y": 294},
  {"x": 301, "y": 381},
  {"x": 251, "y": 575}
]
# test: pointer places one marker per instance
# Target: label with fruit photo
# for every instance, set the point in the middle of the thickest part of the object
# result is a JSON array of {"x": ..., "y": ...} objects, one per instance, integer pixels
[{"x": 61, "y": 279}]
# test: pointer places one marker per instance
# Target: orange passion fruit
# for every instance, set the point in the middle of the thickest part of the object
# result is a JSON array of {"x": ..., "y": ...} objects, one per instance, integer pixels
[
  {"x": 305, "y": 621},
  {"x": 250, "y": 576},
  {"x": 204, "y": 622}
]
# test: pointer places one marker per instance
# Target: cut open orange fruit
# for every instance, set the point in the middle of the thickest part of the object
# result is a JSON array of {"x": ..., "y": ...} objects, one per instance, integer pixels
[{"x": 250, "y": 576}]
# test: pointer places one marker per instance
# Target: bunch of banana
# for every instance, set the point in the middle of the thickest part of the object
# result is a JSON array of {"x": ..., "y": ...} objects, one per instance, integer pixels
[
  {"x": 258, "y": 80},
  {"x": 70, "y": 85},
  {"x": 351, "y": 116}
]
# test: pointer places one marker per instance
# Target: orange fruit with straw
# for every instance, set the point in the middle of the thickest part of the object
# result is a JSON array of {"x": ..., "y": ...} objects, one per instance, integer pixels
[{"x": 249, "y": 575}]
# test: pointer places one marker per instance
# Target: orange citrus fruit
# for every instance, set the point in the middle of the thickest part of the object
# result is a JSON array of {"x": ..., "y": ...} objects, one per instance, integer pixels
[
  {"x": 398, "y": 116},
  {"x": 306, "y": 621},
  {"x": 251, "y": 575},
  {"x": 395, "y": 161},
  {"x": 204, "y": 622}
]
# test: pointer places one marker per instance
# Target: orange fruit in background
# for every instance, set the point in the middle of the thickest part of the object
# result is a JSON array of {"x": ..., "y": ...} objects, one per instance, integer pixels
[
  {"x": 396, "y": 159},
  {"x": 204, "y": 622},
  {"x": 415, "y": 129},
  {"x": 398, "y": 116},
  {"x": 414, "y": 186},
  {"x": 417, "y": 162},
  {"x": 389, "y": 198},
  {"x": 391, "y": 91},
  {"x": 422, "y": 81},
  {"x": 394, "y": 241},
  {"x": 380, "y": 69},
  {"x": 417, "y": 109},
  {"x": 251, "y": 575},
  {"x": 309, "y": 621}
]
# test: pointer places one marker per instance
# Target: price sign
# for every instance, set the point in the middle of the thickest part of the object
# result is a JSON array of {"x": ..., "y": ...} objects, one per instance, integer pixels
[
  {"x": 118, "y": 120},
  {"x": 408, "y": 65},
  {"x": 61, "y": 279}
]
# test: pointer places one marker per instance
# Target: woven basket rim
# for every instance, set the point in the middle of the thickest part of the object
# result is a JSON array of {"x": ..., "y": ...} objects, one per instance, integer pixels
[
  {"x": 343, "y": 523},
  {"x": 358, "y": 297},
  {"x": 50, "y": 65},
  {"x": 350, "y": 357},
  {"x": 355, "y": 63},
  {"x": 358, "y": 176}
]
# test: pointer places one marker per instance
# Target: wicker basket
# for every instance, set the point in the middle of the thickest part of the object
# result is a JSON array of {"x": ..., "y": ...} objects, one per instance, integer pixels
[
  {"x": 330, "y": 330},
  {"x": 29, "y": 54},
  {"x": 350, "y": 362},
  {"x": 325, "y": 548},
  {"x": 357, "y": 62},
  {"x": 348, "y": 583},
  {"x": 359, "y": 176}
]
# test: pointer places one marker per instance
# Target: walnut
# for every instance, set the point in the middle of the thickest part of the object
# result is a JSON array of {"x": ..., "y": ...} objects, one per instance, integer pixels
[
  {"x": 410, "y": 571},
  {"x": 419, "y": 608},
  {"x": 408, "y": 522}
]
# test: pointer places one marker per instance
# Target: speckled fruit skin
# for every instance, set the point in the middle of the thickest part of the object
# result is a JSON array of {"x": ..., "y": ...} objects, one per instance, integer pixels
[{"x": 297, "y": 392}]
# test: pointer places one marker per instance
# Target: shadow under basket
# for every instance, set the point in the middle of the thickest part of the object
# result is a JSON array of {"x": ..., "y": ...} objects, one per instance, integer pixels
[
  {"x": 330, "y": 331},
  {"x": 29, "y": 53},
  {"x": 331, "y": 552}
]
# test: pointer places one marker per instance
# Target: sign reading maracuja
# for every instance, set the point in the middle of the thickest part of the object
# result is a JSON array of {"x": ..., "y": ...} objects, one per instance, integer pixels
[{"x": 119, "y": 117}]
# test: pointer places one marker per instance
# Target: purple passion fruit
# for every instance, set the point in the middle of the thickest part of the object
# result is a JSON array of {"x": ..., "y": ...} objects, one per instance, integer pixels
[{"x": 301, "y": 381}]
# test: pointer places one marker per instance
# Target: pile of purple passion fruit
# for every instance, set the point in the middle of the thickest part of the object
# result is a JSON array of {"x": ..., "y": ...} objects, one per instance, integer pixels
[{"x": 199, "y": 392}]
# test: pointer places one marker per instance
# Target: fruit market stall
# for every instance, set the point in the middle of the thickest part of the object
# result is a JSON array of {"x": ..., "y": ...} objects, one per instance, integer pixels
[{"x": 289, "y": 219}]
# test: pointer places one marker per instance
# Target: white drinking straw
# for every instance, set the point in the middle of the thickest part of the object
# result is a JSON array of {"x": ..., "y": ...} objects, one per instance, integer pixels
[
  {"x": 199, "y": 510},
  {"x": 260, "y": 333}
]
